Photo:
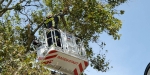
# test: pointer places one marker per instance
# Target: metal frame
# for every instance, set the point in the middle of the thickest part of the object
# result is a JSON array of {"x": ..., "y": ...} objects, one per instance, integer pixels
[
  {"x": 68, "y": 47},
  {"x": 147, "y": 70}
]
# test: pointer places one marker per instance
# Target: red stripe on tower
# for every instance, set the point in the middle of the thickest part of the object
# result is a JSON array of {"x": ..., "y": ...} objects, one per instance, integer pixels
[
  {"x": 80, "y": 67},
  {"x": 48, "y": 62},
  {"x": 53, "y": 51},
  {"x": 75, "y": 72},
  {"x": 49, "y": 57},
  {"x": 86, "y": 63}
]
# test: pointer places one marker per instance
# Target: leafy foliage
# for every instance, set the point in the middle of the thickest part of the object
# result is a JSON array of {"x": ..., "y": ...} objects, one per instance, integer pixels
[{"x": 87, "y": 19}]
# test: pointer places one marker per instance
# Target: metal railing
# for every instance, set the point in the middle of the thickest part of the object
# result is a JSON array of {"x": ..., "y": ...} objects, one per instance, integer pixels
[{"x": 67, "y": 42}]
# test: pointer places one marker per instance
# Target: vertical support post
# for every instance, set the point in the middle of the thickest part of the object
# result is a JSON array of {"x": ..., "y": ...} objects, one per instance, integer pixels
[
  {"x": 61, "y": 39},
  {"x": 52, "y": 36},
  {"x": 55, "y": 40},
  {"x": 45, "y": 37},
  {"x": 65, "y": 42}
]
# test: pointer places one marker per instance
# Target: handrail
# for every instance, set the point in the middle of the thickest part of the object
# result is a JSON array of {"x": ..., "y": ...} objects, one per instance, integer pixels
[{"x": 70, "y": 47}]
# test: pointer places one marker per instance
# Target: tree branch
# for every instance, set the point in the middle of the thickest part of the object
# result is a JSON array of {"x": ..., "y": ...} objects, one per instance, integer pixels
[
  {"x": 1, "y": 1},
  {"x": 38, "y": 27},
  {"x": 31, "y": 37},
  {"x": 8, "y": 4},
  {"x": 27, "y": 17},
  {"x": 4, "y": 10},
  {"x": 63, "y": 20},
  {"x": 31, "y": 5}
]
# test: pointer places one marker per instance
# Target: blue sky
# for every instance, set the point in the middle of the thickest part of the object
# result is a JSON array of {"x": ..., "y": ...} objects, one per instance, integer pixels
[{"x": 129, "y": 55}]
